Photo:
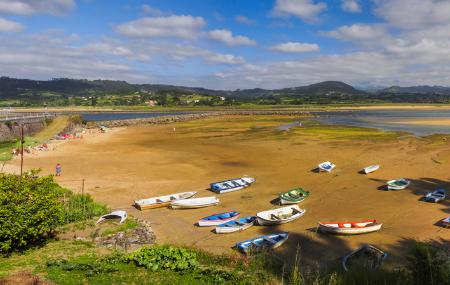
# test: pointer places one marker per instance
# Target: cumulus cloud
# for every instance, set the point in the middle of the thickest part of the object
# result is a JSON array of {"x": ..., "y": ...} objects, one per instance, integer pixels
[
  {"x": 307, "y": 10},
  {"x": 226, "y": 37},
  {"x": 177, "y": 26},
  {"x": 357, "y": 32},
  {"x": 147, "y": 9},
  {"x": 294, "y": 47},
  {"x": 244, "y": 20},
  {"x": 30, "y": 7},
  {"x": 352, "y": 6},
  {"x": 10, "y": 26}
]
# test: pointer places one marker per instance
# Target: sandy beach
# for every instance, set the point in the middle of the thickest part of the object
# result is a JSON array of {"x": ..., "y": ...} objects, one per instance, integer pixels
[{"x": 137, "y": 162}]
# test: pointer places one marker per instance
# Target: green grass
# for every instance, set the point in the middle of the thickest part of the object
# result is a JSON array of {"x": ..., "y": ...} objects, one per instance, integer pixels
[{"x": 129, "y": 224}]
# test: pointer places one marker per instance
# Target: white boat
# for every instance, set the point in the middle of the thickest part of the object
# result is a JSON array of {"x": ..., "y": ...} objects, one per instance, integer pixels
[
  {"x": 162, "y": 201},
  {"x": 280, "y": 216},
  {"x": 218, "y": 219},
  {"x": 262, "y": 243},
  {"x": 235, "y": 225},
  {"x": 231, "y": 185},
  {"x": 350, "y": 228},
  {"x": 326, "y": 166},
  {"x": 194, "y": 203},
  {"x": 398, "y": 184},
  {"x": 436, "y": 196},
  {"x": 121, "y": 214},
  {"x": 446, "y": 222},
  {"x": 367, "y": 256},
  {"x": 371, "y": 168}
]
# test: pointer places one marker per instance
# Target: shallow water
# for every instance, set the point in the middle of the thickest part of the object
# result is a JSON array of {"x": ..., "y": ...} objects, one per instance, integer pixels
[{"x": 384, "y": 120}]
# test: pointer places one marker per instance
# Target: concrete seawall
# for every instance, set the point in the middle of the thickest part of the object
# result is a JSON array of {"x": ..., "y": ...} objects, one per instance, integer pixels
[{"x": 190, "y": 117}]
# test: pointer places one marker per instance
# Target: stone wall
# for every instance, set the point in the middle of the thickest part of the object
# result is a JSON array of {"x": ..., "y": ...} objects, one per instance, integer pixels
[
  {"x": 193, "y": 116},
  {"x": 11, "y": 131}
]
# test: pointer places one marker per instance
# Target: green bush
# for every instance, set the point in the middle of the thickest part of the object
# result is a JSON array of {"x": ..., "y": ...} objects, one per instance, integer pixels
[
  {"x": 80, "y": 207},
  {"x": 30, "y": 210},
  {"x": 430, "y": 264},
  {"x": 158, "y": 258}
]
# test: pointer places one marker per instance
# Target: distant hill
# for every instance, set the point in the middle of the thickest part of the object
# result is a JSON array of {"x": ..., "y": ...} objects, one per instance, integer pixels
[{"x": 424, "y": 89}]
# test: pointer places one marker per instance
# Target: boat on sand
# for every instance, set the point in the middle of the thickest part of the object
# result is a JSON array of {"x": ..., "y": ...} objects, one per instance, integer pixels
[
  {"x": 446, "y": 222},
  {"x": 194, "y": 203},
  {"x": 231, "y": 185},
  {"x": 293, "y": 196},
  {"x": 217, "y": 219},
  {"x": 350, "y": 228},
  {"x": 436, "y": 196},
  {"x": 398, "y": 184},
  {"x": 371, "y": 168},
  {"x": 366, "y": 256},
  {"x": 326, "y": 166},
  {"x": 262, "y": 243},
  {"x": 280, "y": 216},
  {"x": 162, "y": 201},
  {"x": 235, "y": 225}
]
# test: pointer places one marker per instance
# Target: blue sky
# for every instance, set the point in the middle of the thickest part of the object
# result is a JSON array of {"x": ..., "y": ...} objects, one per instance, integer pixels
[{"x": 229, "y": 44}]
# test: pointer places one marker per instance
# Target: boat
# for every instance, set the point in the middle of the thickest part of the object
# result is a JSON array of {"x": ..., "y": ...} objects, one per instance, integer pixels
[
  {"x": 398, "y": 184},
  {"x": 121, "y": 214},
  {"x": 280, "y": 216},
  {"x": 262, "y": 243},
  {"x": 366, "y": 256},
  {"x": 217, "y": 219},
  {"x": 162, "y": 201},
  {"x": 371, "y": 168},
  {"x": 231, "y": 185},
  {"x": 293, "y": 196},
  {"x": 436, "y": 196},
  {"x": 350, "y": 228},
  {"x": 326, "y": 166},
  {"x": 446, "y": 222},
  {"x": 236, "y": 225},
  {"x": 194, "y": 203}
]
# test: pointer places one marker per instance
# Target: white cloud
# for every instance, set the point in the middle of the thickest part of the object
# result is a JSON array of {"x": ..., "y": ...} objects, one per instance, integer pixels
[
  {"x": 293, "y": 47},
  {"x": 226, "y": 36},
  {"x": 307, "y": 10},
  {"x": 10, "y": 26},
  {"x": 358, "y": 32},
  {"x": 178, "y": 26},
  {"x": 352, "y": 6},
  {"x": 147, "y": 9},
  {"x": 29, "y": 7},
  {"x": 244, "y": 20}
]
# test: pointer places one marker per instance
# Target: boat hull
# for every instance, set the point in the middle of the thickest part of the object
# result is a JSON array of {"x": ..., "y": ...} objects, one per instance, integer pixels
[
  {"x": 258, "y": 243},
  {"x": 162, "y": 201},
  {"x": 265, "y": 218},
  {"x": 371, "y": 169},
  {"x": 209, "y": 223},
  {"x": 181, "y": 206},
  {"x": 367, "y": 249},
  {"x": 349, "y": 231}
]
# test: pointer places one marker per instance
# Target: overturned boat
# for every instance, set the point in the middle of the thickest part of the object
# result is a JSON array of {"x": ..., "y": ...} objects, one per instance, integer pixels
[
  {"x": 231, "y": 185},
  {"x": 398, "y": 184},
  {"x": 293, "y": 196},
  {"x": 218, "y": 219},
  {"x": 280, "y": 216},
  {"x": 194, "y": 203},
  {"x": 350, "y": 228},
  {"x": 235, "y": 225},
  {"x": 366, "y": 256},
  {"x": 326, "y": 166},
  {"x": 119, "y": 214},
  {"x": 370, "y": 169},
  {"x": 262, "y": 243},
  {"x": 162, "y": 201}
]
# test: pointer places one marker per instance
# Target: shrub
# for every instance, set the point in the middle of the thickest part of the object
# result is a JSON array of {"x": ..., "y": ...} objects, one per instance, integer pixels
[
  {"x": 30, "y": 210},
  {"x": 79, "y": 207},
  {"x": 158, "y": 258},
  {"x": 430, "y": 264}
]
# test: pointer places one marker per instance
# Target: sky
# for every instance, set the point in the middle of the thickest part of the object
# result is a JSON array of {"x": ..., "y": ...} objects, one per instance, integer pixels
[{"x": 228, "y": 44}]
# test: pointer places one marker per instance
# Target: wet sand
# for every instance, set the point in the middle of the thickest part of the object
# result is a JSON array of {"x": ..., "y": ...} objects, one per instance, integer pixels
[{"x": 144, "y": 161}]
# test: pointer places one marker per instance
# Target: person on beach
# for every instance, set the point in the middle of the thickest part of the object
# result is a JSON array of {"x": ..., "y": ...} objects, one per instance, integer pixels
[{"x": 58, "y": 169}]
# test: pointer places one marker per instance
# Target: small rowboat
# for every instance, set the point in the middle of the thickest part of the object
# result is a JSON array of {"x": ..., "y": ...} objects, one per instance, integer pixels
[
  {"x": 350, "y": 228},
  {"x": 231, "y": 185},
  {"x": 280, "y": 215},
  {"x": 326, "y": 166},
  {"x": 121, "y": 214},
  {"x": 262, "y": 243},
  {"x": 194, "y": 203},
  {"x": 235, "y": 225},
  {"x": 371, "y": 168},
  {"x": 293, "y": 196},
  {"x": 162, "y": 201},
  {"x": 446, "y": 222},
  {"x": 218, "y": 219},
  {"x": 436, "y": 196},
  {"x": 366, "y": 256},
  {"x": 398, "y": 184}
]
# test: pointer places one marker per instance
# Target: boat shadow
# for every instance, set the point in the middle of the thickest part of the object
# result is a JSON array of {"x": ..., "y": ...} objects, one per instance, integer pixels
[{"x": 276, "y": 201}]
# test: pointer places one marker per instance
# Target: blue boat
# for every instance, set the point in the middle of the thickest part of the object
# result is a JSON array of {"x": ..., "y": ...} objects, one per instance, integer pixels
[
  {"x": 236, "y": 225},
  {"x": 231, "y": 185},
  {"x": 217, "y": 219},
  {"x": 262, "y": 242}
]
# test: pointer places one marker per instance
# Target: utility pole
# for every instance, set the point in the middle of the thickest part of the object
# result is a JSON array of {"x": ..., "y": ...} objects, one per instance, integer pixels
[{"x": 21, "y": 150}]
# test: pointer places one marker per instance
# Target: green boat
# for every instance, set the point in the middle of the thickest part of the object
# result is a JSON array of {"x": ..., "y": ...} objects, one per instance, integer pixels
[{"x": 293, "y": 196}]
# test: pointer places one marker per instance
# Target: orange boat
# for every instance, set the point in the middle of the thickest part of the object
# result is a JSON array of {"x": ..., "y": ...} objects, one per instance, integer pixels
[{"x": 350, "y": 228}]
